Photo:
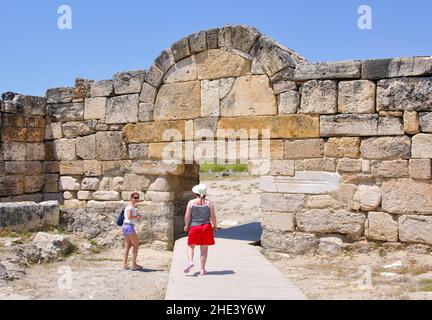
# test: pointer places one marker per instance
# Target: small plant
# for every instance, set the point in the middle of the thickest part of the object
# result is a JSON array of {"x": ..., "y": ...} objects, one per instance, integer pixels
[{"x": 382, "y": 253}]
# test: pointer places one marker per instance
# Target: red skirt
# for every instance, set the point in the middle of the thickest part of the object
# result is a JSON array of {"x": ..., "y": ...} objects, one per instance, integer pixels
[{"x": 201, "y": 235}]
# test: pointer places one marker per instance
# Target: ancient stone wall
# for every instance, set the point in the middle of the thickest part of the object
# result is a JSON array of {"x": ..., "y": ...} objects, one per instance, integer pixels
[{"x": 344, "y": 148}]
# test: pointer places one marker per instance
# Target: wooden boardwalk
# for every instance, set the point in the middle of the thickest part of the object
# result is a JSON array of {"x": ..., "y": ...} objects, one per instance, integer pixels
[{"x": 237, "y": 271}]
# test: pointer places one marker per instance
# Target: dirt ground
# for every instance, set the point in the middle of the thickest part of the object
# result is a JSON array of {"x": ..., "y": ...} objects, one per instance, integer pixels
[{"x": 378, "y": 274}]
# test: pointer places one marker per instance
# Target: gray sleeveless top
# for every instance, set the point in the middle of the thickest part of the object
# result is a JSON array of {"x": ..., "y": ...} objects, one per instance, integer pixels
[{"x": 200, "y": 215}]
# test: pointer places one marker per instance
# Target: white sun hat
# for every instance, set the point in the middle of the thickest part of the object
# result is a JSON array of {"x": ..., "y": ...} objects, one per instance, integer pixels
[{"x": 200, "y": 189}]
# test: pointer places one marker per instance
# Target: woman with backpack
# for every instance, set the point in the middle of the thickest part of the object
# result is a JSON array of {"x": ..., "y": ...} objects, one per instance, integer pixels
[
  {"x": 131, "y": 239},
  {"x": 200, "y": 222}
]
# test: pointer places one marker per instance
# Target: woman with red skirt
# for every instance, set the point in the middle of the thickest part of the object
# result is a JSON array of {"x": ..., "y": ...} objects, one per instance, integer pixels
[{"x": 200, "y": 221}]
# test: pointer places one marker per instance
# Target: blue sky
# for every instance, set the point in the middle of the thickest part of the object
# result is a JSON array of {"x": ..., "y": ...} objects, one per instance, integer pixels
[{"x": 111, "y": 36}]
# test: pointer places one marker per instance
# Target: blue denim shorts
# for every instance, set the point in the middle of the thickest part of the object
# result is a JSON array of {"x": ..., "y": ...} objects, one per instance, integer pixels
[{"x": 128, "y": 229}]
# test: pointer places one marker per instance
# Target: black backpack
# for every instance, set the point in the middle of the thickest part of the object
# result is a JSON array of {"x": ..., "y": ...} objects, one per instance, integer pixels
[{"x": 121, "y": 217}]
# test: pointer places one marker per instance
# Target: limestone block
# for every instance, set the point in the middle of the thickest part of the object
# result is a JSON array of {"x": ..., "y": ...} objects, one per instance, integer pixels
[
  {"x": 390, "y": 126},
  {"x": 145, "y": 112},
  {"x": 69, "y": 184},
  {"x": 328, "y": 70},
  {"x": 103, "y": 88},
  {"x": 135, "y": 182},
  {"x": 398, "y": 67},
  {"x": 349, "y": 125},
  {"x": 95, "y": 108},
  {"x": 239, "y": 37},
  {"x": 180, "y": 49},
  {"x": 86, "y": 147},
  {"x": 90, "y": 184},
  {"x": 356, "y": 96},
  {"x": 165, "y": 60},
  {"x": 368, "y": 196},
  {"x": 198, "y": 42},
  {"x": 128, "y": 82},
  {"x": 381, "y": 226},
  {"x": 300, "y": 149},
  {"x": 66, "y": 112},
  {"x": 390, "y": 169},
  {"x": 154, "y": 76},
  {"x": 159, "y": 196},
  {"x": 319, "y": 97},
  {"x": 349, "y": 165},
  {"x": 345, "y": 147},
  {"x": 33, "y": 184},
  {"x": 13, "y": 151},
  {"x": 210, "y": 98},
  {"x": 139, "y": 151},
  {"x": 53, "y": 131},
  {"x": 386, "y": 148},
  {"x": 110, "y": 146},
  {"x": 122, "y": 109},
  {"x": 35, "y": 151},
  {"x": 282, "y": 167},
  {"x": 113, "y": 168},
  {"x": 282, "y": 202},
  {"x": 106, "y": 196},
  {"x": 411, "y": 122},
  {"x": 158, "y": 131},
  {"x": 145, "y": 167},
  {"x": 92, "y": 168},
  {"x": 288, "y": 102},
  {"x": 70, "y": 168},
  {"x": 148, "y": 93},
  {"x": 85, "y": 195},
  {"x": 315, "y": 165},
  {"x": 64, "y": 149},
  {"x": 59, "y": 95},
  {"x": 330, "y": 245},
  {"x": 212, "y": 38},
  {"x": 415, "y": 229},
  {"x": 422, "y": 146},
  {"x": 278, "y": 221},
  {"x": 76, "y": 129},
  {"x": 420, "y": 168},
  {"x": 425, "y": 121},
  {"x": 51, "y": 183}
]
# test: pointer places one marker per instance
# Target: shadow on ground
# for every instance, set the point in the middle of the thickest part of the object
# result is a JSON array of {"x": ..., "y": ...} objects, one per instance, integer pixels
[{"x": 248, "y": 232}]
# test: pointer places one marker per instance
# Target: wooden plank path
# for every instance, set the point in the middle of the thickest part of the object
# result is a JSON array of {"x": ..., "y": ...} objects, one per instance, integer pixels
[{"x": 236, "y": 271}]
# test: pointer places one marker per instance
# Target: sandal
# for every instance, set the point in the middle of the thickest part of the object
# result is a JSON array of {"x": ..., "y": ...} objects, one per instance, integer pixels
[
  {"x": 188, "y": 267},
  {"x": 137, "y": 267}
]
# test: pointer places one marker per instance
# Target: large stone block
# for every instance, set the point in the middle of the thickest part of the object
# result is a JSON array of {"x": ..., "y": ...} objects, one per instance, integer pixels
[
  {"x": 319, "y": 97},
  {"x": 282, "y": 167},
  {"x": 390, "y": 126},
  {"x": 306, "y": 182},
  {"x": 59, "y": 95},
  {"x": 53, "y": 131},
  {"x": 122, "y": 109},
  {"x": 411, "y": 122},
  {"x": 290, "y": 242},
  {"x": 148, "y": 93},
  {"x": 35, "y": 151},
  {"x": 425, "y": 121},
  {"x": 128, "y": 82},
  {"x": 94, "y": 108},
  {"x": 328, "y": 70},
  {"x": 165, "y": 60},
  {"x": 239, "y": 37},
  {"x": 13, "y": 151},
  {"x": 300, "y": 149},
  {"x": 180, "y": 49},
  {"x": 178, "y": 101},
  {"x": 316, "y": 165},
  {"x": 90, "y": 184},
  {"x": 82, "y": 89},
  {"x": 139, "y": 151},
  {"x": 92, "y": 168},
  {"x": 33, "y": 184},
  {"x": 420, "y": 168},
  {"x": 325, "y": 221},
  {"x": 103, "y": 88},
  {"x": 398, "y": 67},
  {"x": 66, "y": 112},
  {"x": 381, "y": 226},
  {"x": 198, "y": 42},
  {"x": 282, "y": 202},
  {"x": 415, "y": 229},
  {"x": 278, "y": 221},
  {"x": 154, "y": 76},
  {"x": 348, "y": 147},
  {"x": 368, "y": 196},
  {"x": 288, "y": 102},
  {"x": 250, "y": 96},
  {"x": 110, "y": 146},
  {"x": 135, "y": 182},
  {"x": 356, "y": 96},
  {"x": 183, "y": 71},
  {"x": 407, "y": 196},
  {"x": 287, "y": 126},
  {"x": 390, "y": 169},
  {"x": 157, "y": 168},
  {"x": 386, "y": 148},
  {"x": 422, "y": 146},
  {"x": 51, "y": 183},
  {"x": 86, "y": 147},
  {"x": 106, "y": 195},
  {"x": 69, "y": 184},
  {"x": 216, "y": 64},
  {"x": 406, "y": 94},
  {"x": 212, "y": 38},
  {"x": 71, "y": 168},
  {"x": 150, "y": 132},
  {"x": 76, "y": 129},
  {"x": 349, "y": 125},
  {"x": 11, "y": 185},
  {"x": 210, "y": 98},
  {"x": 64, "y": 149}
]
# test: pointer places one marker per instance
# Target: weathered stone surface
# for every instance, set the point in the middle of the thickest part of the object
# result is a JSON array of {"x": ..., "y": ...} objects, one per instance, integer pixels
[
  {"x": 35, "y": 151},
  {"x": 239, "y": 37},
  {"x": 210, "y": 98},
  {"x": 306, "y": 182},
  {"x": 134, "y": 182},
  {"x": 315, "y": 165},
  {"x": 390, "y": 126},
  {"x": 10, "y": 185},
  {"x": 53, "y": 131},
  {"x": 94, "y": 108},
  {"x": 415, "y": 229},
  {"x": 325, "y": 221},
  {"x": 59, "y": 95},
  {"x": 149, "y": 132},
  {"x": 420, "y": 168},
  {"x": 28, "y": 215},
  {"x": 178, "y": 101},
  {"x": 288, "y": 102},
  {"x": 76, "y": 129},
  {"x": 70, "y": 168},
  {"x": 386, "y": 148},
  {"x": 86, "y": 147},
  {"x": 278, "y": 221},
  {"x": 381, "y": 226},
  {"x": 250, "y": 96},
  {"x": 138, "y": 151},
  {"x": 13, "y": 151},
  {"x": 51, "y": 183},
  {"x": 390, "y": 169},
  {"x": 216, "y": 64},
  {"x": 342, "y": 147},
  {"x": 261, "y": 167},
  {"x": 282, "y": 168},
  {"x": 425, "y": 121},
  {"x": 51, "y": 167},
  {"x": 69, "y": 184},
  {"x": 407, "y": 196},
  {"x": 148, "y": 93},
  {"x": 406, "y": 94},
  {"x": 330, "y": 245},
  {"x": 282, "y": 202},
  {"x": 66, "y": 112},
  {"x": 106, "y": 195},
  {"x": 33, "y": 184},
  {"x": 300, "y": 149},
  {"x": 85, "y": 195},
  {"x": 287, "y": 126},
  {"x": 64, "y": 149},
  {"x": 110, "y": 146},
  {"x": 180, "y": 49},
  {"x": 212, "y": 38},
  {"x": 271, "y": 57},
  {"x": 103, "y": 88},
  {"x": 291, "y": 242},
  {"x": 183, "y": 71},
  {"x": 368, "y": 196},
  {"x": 340, "y": 199},
  {"x": 128, "y": 82},
  {"x": 90, "y": 184},
  {"x": 319, "y": 97},
  {"x": 398, "y": 67},
  {"x": 154, "y": 76},
  {"x": 28, "y": 105},
  {"x": 157, "y": 168},
  {"x": 225, "y": 86},
  {"x": 122, "y": 109},
  {"x": 284, "y": 86},
  {"x": 356, "y": 96},
  {"x": 349, "y": 125},
  {"x": 165, "y": 60},
  {"x": 198, "y": 42},
  {"x": 328, "y": 70},
  {"x": 82, "y": 89},
  {"x": 422, "y": 146},
  {"x": 22, "y": 167},
  {"x": 92, "y": 168}
]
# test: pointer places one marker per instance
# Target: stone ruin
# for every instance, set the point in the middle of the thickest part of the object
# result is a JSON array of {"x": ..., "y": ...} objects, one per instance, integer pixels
[{"x": 350, "y": 143}]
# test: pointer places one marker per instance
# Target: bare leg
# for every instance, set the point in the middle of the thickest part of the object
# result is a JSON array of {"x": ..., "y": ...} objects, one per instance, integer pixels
[
  {"x": 134, "y": 240},
  {"x": 190, "y": 253},
  {"x": 126, "y": 252},
  {"x": 203, "y": 258}
]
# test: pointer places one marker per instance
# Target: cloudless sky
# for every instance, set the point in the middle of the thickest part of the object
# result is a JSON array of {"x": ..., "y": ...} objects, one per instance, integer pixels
[{"x": 110, "y": 36}]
